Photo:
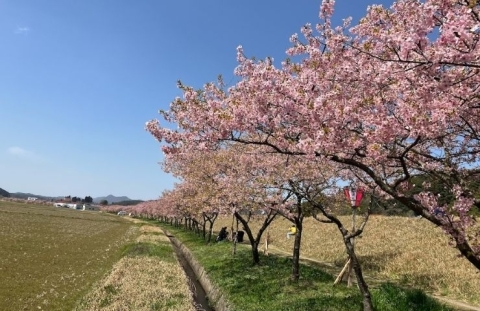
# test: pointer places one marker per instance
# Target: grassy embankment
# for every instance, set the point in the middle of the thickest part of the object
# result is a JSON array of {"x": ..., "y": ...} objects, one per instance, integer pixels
[
  {"x": 405, "y": 251},
  {"x": 267, "y": 287},
  {"x": 51, "y": 257}
]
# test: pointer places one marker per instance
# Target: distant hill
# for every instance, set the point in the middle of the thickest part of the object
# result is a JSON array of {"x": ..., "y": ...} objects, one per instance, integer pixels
[
  {"x": 111, "y": 199},
  {"x": 23, "y": 195},
  {"x": 4, "y": 193}
]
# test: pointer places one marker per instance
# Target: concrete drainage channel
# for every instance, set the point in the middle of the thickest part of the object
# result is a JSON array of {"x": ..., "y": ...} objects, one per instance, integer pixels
[
  {"x": 199, "y": 294},
  {"x": 207, "y": 297}
]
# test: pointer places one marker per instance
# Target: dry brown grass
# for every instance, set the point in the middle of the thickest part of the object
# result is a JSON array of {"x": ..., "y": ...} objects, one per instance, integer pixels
[
  {"x": 49, "y": 257},
  {"x": 151, "y": 234},
  {"x": 142, "y": 282},
  {"x": 404, "y": 250},
  {"x": 150, "y": 229}
]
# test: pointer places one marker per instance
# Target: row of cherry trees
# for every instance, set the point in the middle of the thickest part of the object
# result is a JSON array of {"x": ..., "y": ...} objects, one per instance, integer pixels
[
  {"x": 379, "y": 103},
  {"x": 388, "y": 99}
]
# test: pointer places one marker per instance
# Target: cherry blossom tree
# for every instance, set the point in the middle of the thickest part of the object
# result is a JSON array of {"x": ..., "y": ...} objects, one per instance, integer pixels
[
  {"x": 199, "y": 171},
  {"x": 390, "y": 98},
  {"x": 238, "y": 190}
]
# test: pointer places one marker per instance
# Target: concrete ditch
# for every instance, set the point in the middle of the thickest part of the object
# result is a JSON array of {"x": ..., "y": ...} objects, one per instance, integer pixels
[{"x": 207, "y": 295}]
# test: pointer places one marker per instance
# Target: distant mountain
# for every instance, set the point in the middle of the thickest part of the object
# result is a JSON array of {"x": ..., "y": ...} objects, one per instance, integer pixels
[
  {"x": 22, "y": 195},
  {"x": 111, "y": 199},
  {"x": 4, "y": 193}
]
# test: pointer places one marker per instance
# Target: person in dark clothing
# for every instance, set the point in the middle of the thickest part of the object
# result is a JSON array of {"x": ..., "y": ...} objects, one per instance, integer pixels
[{"x": 222, "y": 235}]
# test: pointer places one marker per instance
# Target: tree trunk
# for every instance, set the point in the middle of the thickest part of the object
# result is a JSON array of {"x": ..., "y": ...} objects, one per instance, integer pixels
[
  {"x": 196, "y": 225},
  {"x": 255, "y": 254},
  {"x": 296, "y": 251},
  {"x": 348, "y": 241},
  {"x": 362, "y": 285},
  {"x": 298, "y": 221},
  {"x": 296, "y": 254},
  {"x": 210, "y": 231},
  {"x": 253, "y": 243}
]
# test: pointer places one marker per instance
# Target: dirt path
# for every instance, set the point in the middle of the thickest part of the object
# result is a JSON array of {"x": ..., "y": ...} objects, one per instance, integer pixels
[{"x": 458, "y": 305}]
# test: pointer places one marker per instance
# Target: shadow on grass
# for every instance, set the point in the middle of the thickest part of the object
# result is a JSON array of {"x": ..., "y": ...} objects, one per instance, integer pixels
[{"x": 389, "y": 297}]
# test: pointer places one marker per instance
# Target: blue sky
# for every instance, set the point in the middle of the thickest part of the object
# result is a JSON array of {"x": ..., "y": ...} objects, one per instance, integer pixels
[{"x": 79, "y": 79}]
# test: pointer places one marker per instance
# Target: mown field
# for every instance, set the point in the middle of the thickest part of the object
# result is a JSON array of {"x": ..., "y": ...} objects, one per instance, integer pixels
[
  {"x": 50, "y": 257},
  {"x": 406, "y": 251}
]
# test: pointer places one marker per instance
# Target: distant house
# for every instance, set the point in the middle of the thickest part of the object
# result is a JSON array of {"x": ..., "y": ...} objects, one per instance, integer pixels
[
  {"x": 68, "y": 205},
  {"x": 74, "y": 206},
  {"x": 88, "y": 207},
  {"x": 122, "y": 213},
  {"x": 32, "y": 199}
]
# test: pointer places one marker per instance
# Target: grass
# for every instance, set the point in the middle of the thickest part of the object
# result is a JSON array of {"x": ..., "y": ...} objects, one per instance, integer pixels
[
  {"x": 409, "y": 252},
  {"x": 391, "y": 298},
  {"x": 148, "y": 277},
  {"x": 268, "y": 287},
  {"x": 149, "y": 249},
  {"x": 49, "y": 257}
]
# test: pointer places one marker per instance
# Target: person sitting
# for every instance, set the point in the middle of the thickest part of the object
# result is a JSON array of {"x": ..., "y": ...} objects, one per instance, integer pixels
[
  {"x": 222, "y": 235},
  {"x": 439, "y": 212},
  {"x": 291, "y": 231}
]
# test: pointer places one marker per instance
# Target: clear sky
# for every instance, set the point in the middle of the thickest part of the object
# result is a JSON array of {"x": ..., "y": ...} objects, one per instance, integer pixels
[{"x": 79, "y": 79}]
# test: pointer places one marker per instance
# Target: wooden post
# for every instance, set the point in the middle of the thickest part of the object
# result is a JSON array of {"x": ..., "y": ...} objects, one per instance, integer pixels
[
  {"x": 267, "y": 240},
  {"x": 342, "y": 273}
]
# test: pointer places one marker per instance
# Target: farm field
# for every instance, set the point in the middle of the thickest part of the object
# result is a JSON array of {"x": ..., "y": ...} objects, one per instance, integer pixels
[
  {"x": 50, "y": 257},
  {"x": 403, "y": 250}
]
